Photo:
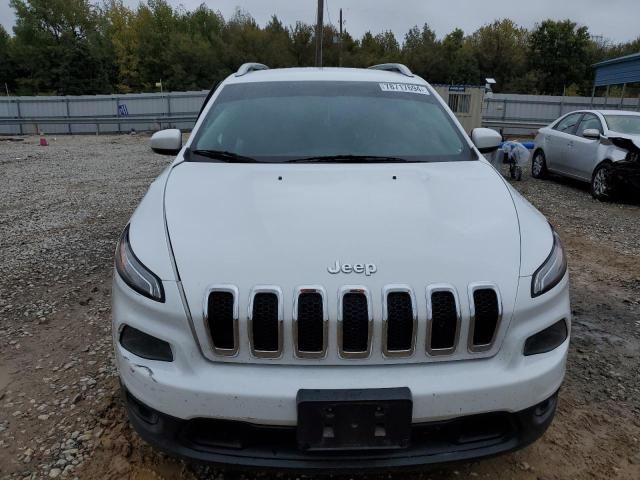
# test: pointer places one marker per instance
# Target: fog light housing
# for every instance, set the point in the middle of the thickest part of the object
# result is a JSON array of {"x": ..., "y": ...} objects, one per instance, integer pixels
[
  {"x": 144, "y": 345},
  {"x": 548, "y": 339}
]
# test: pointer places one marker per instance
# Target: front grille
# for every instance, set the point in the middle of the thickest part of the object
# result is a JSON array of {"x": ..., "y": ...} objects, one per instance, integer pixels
[
  {"x": 355, "y": 323},
  {"x": 444, "y": 321},
  {"x": 264, "y": 322},
  {"x": 486, "y": 316},
  {"x": 221, "y": 320},
  {"x": 310, "y": 326},
  {"x": 311, "y": 331},
  {"x": 400, "y": 317}
]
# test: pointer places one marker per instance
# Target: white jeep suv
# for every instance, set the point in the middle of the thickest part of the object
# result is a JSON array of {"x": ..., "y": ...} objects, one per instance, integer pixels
[{"x": 330, "y": 276}]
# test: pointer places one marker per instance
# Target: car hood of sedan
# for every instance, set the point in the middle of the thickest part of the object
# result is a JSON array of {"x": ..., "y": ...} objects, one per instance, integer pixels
[
  {"x": 625, "y": 141},
  {"x": 285, "y": 225}
]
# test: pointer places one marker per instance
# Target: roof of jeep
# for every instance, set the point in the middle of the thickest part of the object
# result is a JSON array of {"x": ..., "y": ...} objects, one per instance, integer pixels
[{"x": 323, "y": 74}]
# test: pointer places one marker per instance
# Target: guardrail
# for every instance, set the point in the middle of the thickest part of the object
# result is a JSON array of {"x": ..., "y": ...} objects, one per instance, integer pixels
[
  {"x": 160, "y": 120},
  {"x": 500, "y": 123}
]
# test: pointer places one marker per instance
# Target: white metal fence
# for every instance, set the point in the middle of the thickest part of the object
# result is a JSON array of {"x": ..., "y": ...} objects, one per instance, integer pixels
[
  {"x": 99, "y": 113},
  {"x": 511, "y": 113},
  {"x": 524, "y": 114}
]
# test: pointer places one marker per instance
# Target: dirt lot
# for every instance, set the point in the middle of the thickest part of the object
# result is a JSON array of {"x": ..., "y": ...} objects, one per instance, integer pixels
[{"x": 62, "y": 208}]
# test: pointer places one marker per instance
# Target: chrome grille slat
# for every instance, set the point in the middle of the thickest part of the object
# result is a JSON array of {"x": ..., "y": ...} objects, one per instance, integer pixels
[
  {"x": 265, "y": 322},
  {"x": 400, "y": 321},
  {"x": 486, "y": 315},
  {"x": 221, "y": 318},
  {"x": 443, "y": 320},
  {"x": 355, "y": 322}
]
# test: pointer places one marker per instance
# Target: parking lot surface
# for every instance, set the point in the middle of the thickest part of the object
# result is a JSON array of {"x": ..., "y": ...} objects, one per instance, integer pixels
[{"x": 62, "y": 208}]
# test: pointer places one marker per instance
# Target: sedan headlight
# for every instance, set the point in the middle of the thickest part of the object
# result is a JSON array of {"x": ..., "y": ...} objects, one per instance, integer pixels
[
  {"x": 134, "y": 273},
  {"x": 551, "y": 271}
]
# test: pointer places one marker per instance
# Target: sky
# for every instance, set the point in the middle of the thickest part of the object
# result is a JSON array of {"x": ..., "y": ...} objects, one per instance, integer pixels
[{"x": 616, "y": 20}]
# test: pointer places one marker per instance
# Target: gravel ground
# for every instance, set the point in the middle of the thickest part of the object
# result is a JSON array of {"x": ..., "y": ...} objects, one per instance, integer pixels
[{"x": 62, "y": 208}]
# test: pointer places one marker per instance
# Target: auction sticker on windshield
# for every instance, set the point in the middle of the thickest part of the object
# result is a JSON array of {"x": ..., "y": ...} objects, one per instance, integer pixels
[{"x": 404, "y": 88}]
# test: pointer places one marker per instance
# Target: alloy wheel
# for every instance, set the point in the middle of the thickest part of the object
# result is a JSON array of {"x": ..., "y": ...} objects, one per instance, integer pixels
[{"x": 600, "y": 186}]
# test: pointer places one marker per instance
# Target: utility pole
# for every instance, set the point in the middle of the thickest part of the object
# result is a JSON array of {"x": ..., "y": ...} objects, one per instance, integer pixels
[
  {"x": 340, "y": 54},
  {"x": 319, "y": 33}
]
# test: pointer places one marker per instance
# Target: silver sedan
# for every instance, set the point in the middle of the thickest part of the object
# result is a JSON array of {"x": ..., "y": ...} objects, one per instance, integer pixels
[{"x": 601, "y": 147}]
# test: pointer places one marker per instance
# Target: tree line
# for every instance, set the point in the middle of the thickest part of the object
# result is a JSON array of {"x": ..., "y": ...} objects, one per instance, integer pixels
[{"x": 70, "y": 47}]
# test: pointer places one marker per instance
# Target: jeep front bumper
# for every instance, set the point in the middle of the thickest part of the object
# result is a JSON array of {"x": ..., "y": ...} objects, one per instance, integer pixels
[{"x": 274, "y": 447}]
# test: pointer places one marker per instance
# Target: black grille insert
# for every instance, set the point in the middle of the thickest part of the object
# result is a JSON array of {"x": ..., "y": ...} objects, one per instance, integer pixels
[
  {"x": 399, "y": 322},
  {"x": 444, "y": 321},
  {"x": 220, "y": 319},
  {"x": 264, "y": 319},
  {"x": 355, "y": 323},
  {"x": 487, "y": 313},
  {"x": 310, "y": 322}
]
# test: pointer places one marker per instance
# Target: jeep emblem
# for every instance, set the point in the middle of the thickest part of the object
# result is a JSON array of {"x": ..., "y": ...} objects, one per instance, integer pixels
[{"x": 367, "y": 268}]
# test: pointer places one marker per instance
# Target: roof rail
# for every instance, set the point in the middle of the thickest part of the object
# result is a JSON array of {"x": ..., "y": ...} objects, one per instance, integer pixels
[
  {"x": 250, "y": 67},
  {"x": 394, "y": 67}
]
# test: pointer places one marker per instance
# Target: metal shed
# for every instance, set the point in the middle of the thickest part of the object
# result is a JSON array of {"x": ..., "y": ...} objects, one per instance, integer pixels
[{"x": 617, "y": 71}]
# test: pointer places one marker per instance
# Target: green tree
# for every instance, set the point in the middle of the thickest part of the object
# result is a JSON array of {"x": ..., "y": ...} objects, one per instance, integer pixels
[
  {"x": 244, "y": 39},
  {"x": 302, "y": 44},
  {"x": 7, "y": 64},
  {"x": 559, "y": 55},
  {"x": 278, "y": 52},
  {"x": 500, "y": 49},
  {"x": 380, "y": 48},
  {"x": 58, "y": 42},
  {"x": 458, "y": 55},
  {"x": 422, "y": 52},
  {"x": 195, "y": 59},
  {"x": 74, "y": 46}
]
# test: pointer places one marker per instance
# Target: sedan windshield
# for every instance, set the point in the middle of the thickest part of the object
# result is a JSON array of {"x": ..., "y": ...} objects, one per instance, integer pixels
[
  {"x": 629, "y": 124},
  {"x": 328, "y": 121}
]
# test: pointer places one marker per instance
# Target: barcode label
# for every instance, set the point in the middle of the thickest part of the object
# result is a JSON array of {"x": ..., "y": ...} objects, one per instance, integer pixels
[{"x": 404, "y": 88}]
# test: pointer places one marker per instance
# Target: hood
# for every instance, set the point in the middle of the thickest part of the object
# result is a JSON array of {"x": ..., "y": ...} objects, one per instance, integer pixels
[
  {"x": 285, "y": 225},
  {"x": 625, "y": 141}
]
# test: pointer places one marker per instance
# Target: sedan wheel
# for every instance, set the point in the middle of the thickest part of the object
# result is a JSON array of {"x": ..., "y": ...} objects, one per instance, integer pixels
[
  {"x": 539, "y": 165},
  {"x": 601, "y": 183}
]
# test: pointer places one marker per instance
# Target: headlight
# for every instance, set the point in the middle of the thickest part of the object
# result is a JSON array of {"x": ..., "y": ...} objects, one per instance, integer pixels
[
  {"x": 551, "y": 271},
  {"x": 134, "y": 273}
]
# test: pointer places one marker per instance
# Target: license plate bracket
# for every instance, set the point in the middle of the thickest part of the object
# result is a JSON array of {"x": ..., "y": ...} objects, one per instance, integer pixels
[{"x": 354, "y": 419}]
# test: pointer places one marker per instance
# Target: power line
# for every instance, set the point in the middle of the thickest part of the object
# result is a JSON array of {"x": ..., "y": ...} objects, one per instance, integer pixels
[{"x": 329, "y": 13}]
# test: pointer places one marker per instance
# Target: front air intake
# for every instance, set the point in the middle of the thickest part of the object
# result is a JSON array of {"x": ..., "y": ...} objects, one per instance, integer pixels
[
  {"x": 221, "y": 320},
  {"x": 310, "y": 327},
  {"x": 400, "y": 323},
  {"x": 355, "y": 324},
  {"x": 486, "y": 316},
  {"x": 443, "y": 322},
  {"x": 265, "y": 324}
]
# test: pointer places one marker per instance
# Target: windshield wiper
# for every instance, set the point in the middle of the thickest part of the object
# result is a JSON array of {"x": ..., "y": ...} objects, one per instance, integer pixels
[
  {"x": 350, "y": 159},
  {"x": 225, "y": 156}
]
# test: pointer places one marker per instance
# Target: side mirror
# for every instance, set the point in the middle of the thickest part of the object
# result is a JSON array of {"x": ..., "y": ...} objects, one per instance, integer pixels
[
  {"x": 167, "y": 142},
  {"x": 486, "y": 139},
  {"x": 592, "y": 133}
]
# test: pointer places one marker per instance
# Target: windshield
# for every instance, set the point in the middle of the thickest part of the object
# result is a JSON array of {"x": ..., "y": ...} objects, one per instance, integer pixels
[
  {"x": 288, "y": 121},
  {"x": 629, "y": 124}
]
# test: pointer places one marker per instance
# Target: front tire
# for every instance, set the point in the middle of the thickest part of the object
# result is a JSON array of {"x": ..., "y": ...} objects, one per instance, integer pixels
[
  {"x": 539, "y": 165},
  {"x": 601, "y": 188}
]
